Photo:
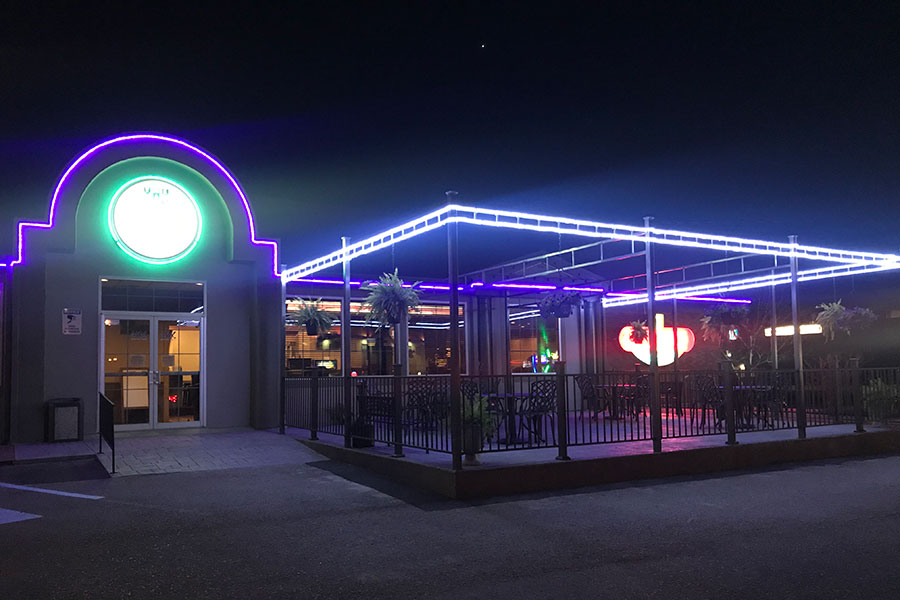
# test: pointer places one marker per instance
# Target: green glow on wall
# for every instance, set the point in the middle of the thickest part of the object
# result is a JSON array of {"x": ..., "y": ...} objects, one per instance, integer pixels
[{"x": 154, "y": 220}]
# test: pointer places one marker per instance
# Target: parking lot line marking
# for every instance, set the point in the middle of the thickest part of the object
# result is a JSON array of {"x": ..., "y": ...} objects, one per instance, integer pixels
[
  {"x": 26, "y": 488},
  {"x": 13, "y": 516}
]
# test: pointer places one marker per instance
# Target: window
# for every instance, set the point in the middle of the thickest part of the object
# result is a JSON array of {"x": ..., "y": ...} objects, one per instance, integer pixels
[
  {"x": 151, "y": 296},
  {"x": 371, "y": 347},
  {"x": 533, "y": 341}
]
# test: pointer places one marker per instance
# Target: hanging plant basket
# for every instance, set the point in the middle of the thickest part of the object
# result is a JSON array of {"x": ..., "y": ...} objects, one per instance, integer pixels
[
  {"x": 389, "y": 299},
  {"x": 311, "y": 316},
  {"x": 559, "y": 306}
]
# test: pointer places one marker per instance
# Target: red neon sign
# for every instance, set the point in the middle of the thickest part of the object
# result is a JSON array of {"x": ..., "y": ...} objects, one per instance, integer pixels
[{"x": 665, "y": 343}]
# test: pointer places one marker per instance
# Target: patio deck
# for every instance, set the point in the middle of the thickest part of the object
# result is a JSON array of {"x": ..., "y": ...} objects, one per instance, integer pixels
[{"x": 518, "y": 471}]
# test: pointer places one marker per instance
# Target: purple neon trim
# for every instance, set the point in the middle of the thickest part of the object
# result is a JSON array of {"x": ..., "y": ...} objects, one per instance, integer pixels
[
  {"x": 145, "y": 137},
  {"x": 439, "y": 287},
  {"x": 726, "y": 300},
  {"x": 693, "y": 298},
  {"x": 524, "y": 286},
  {"x": 325, "y": 281}
]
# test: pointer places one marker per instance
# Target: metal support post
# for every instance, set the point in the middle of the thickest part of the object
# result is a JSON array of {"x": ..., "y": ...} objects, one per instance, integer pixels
[
  {"x": 730, "y": 426},
  {"x": 655, "y": 407},
  {"x": 455, "y": 395},
  {"x": 345, "y": 351},
  {"x": 798, "y": 347},
  {"x": 774, "y": 326},
  {"x": 562, "y": 420},
  {"x": 283, "y": 352}
]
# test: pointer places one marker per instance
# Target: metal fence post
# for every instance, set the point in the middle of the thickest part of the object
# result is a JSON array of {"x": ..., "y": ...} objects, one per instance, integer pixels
[
  {"x": 398, "y": 410},
  {"x": 314, "y": 406},
  {"x": 730, "y": 426},
  {"x": 562, "y": 418},
  {"x": 801, "y": 404},
  {"x": 838, "y": 392},
  {"x": 858, "y": 406}
]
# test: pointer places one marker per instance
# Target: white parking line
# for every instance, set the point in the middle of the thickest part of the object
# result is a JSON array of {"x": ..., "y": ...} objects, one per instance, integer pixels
[
  {"x": 12, "y": 516},
  {"x": 26, "y": 488}
]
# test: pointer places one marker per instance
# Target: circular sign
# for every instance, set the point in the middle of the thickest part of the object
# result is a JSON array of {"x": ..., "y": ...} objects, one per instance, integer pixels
[{"x": 154, "y": 220}]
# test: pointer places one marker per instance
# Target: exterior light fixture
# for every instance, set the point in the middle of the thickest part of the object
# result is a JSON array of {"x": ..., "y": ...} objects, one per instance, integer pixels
[
  {"x": 786, "y": 330},
  {"x": 154, "y": 220}
]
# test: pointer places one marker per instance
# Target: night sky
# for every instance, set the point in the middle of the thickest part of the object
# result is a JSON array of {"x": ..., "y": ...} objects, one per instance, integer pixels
[{"x": 341, "y": 118}]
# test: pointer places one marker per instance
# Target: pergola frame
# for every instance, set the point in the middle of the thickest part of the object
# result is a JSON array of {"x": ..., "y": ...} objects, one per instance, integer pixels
[{"x": 839, "y": 263}]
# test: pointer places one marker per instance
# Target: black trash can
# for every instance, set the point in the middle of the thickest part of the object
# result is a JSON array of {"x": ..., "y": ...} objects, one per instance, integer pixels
[{"x": 65, "y": 421}]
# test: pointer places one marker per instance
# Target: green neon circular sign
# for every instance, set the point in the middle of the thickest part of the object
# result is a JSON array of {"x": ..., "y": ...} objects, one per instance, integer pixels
[{"x": 154, "y": 220}]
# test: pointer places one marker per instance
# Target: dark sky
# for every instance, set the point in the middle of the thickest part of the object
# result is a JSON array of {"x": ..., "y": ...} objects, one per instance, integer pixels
[{"x": 341, "y": 117}]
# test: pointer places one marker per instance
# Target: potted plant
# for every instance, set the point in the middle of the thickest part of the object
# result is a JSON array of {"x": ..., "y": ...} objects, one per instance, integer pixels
[
  {"x": 559, "y": 306},
  {"x": 316, "y": 320},
  {"x": 477, "y": 426},
  {"x": 390, "y": 299},
  {"x": 882, "y": 401}
]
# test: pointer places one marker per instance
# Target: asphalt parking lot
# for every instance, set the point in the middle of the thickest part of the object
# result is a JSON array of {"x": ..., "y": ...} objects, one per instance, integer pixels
[{"x": 317, "y": 529}]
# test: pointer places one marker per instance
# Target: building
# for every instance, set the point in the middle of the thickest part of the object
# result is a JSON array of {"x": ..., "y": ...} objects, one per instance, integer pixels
[{"x": 147, "y": 283}]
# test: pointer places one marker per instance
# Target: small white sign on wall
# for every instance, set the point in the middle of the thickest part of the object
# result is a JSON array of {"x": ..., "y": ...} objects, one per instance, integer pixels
[{"x": 71, "y": 321}]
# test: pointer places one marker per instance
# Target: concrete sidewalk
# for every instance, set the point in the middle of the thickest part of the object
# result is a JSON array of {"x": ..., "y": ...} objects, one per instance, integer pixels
[{"x": 181, "y": 450}]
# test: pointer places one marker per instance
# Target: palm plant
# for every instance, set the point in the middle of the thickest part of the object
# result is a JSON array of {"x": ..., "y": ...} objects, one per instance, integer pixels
[
  {"x": 390, "y": 299},
  {"x": 829, "y": 318},
  {"x": 639, "y": 331},
  {"x": 834, "y": 317}
]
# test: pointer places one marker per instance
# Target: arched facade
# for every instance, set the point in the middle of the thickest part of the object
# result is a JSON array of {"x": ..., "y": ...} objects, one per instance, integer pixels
[{"x": 147, "y": 283}]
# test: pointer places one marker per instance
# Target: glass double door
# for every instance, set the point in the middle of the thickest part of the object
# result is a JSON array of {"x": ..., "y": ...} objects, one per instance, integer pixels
[{"x": 151, "y": 369}]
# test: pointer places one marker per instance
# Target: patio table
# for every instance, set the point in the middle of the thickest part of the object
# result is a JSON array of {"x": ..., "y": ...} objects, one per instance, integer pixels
[{"x": 509, "y": 407}]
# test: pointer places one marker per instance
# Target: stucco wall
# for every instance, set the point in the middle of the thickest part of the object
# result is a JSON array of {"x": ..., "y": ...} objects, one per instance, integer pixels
[{"x": 63, "y": 270}]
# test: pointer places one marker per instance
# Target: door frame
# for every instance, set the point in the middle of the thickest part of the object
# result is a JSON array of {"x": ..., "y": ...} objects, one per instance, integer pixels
[{"x": 153, "y": 368}]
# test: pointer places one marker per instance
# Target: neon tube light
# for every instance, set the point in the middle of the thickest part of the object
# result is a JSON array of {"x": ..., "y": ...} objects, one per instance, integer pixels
[
  {"x": 540, "y": 287},
  {"x": 643, "y": 298},
  {"x": 524, "y": 286},
  {"x": 754, "y": 282},
  {"x": 142, "y": 137}
]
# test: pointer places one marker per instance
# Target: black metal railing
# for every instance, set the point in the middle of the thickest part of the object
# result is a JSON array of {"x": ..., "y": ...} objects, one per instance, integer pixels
[
  {"x": 558, "y": 410},
  {"x": 107, "y": 428}
]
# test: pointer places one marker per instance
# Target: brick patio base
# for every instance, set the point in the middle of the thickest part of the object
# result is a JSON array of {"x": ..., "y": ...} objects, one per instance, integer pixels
[{"x": 484, "y": 482}]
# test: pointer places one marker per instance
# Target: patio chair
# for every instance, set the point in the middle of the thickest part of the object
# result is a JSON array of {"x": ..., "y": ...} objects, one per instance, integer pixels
[
  {"x": 540, "y": 406},
  {"x": 708, "y": 396},
  {"x": 424, "y": 404},
  {"x": 772, "y": 409},
  {"x": 592, "y": 399},
  {"x": 636, "y": 396}
]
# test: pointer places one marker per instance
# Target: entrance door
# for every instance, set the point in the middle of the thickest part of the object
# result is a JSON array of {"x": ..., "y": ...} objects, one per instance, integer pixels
[{"x": 152, "y": 367}]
